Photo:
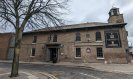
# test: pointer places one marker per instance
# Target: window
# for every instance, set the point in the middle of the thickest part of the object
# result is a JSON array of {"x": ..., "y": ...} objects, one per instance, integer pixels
[
  {"x": 52, "y": 38},
  {"x": 112, "y": 38},
  {"x": 34, "y": 39},
  {"x": 33, "y": 51},
  {"x": 78, "y": 36},
  {"x": 78, "y": 52},
  {"x": 49, "y": 37},
  {"x": 99, "y": 53},
  {"x": 55, "y": 38},
  {"x": 98, "y": 36}
]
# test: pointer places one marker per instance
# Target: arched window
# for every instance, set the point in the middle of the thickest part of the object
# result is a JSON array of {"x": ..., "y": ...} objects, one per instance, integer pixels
[
  {"x": 78, "y": 36},
  {"x": 98, "y": 36}
]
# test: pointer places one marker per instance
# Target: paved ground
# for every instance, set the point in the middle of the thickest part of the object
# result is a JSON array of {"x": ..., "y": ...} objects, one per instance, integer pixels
[
  {"x": 66, "y": 72},
  {"x": 123, "y": 68},
  {"x": 5, "y": 71},
  {"x": 25, "y": 74},
  {"x": 6, "y": 76}
]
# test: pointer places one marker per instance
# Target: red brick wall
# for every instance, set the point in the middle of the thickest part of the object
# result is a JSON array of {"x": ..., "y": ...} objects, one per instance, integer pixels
[{"x": 4, "y": 45}]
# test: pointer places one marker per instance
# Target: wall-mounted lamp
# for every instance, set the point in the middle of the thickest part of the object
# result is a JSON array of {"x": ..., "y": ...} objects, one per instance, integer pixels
[{"x": 61, "y": 45}]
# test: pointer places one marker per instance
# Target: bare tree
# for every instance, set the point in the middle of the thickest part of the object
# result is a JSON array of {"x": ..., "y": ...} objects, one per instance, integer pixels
[{"x": 20, "y": 14}]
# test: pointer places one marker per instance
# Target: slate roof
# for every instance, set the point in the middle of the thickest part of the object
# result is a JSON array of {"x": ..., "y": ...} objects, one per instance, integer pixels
[{"x": 77, "y": 26}]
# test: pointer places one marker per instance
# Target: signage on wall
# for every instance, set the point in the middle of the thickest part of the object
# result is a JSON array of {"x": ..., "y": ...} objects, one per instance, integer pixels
[
  {"x": 88, "y": 50},
  {"x": 112, "y": 38}
]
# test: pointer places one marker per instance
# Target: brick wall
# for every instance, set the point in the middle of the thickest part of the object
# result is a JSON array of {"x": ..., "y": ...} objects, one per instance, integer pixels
[{"x": 4, "y": 45}]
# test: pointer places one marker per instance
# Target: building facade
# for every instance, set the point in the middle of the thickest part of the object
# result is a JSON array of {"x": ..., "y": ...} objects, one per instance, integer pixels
[
  {"x": 6, "y": 46},
  {"x": 87, "y": 42}
]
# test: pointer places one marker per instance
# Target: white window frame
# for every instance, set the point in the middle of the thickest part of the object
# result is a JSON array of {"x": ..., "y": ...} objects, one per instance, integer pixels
[
  {"x": 102, "y": 52},
  {"x": 31, "y": 52},
  {"x": 80, "y": 53}
]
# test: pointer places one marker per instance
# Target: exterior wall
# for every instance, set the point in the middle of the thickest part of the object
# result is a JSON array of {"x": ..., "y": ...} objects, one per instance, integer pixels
[
  {"x": 4, "y": 45},
  {"x": 68, "y": 45},
  {"x": 116, "y": 19},
  {"x": 27, "y": 45}
]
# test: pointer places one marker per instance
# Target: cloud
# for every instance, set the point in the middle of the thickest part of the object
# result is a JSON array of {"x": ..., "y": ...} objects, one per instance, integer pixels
[
  {"x": 90, "y": 10},
  {"x": 97, "y": 11},
  {"x": 78, "y": 10},
  {"x": 124, "y": 2},
  {"x": 2, "y": 30},
  {"x": 128, "y": 11}
]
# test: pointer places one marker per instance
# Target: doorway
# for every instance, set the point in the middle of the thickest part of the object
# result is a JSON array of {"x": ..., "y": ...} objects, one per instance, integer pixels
[{"x": 53, "y": 54}]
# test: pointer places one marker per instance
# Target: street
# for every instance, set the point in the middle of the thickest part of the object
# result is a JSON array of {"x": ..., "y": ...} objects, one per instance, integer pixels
[{"x": 62, "y": 72}]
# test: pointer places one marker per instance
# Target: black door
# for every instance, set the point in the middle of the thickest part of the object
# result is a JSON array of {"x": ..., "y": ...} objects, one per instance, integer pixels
[{"x": 53, "y": 55}]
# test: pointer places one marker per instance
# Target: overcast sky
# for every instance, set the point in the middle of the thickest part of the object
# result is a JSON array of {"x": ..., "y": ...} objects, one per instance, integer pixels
[
  {"x": 81, "y": 11},
  {"x": 97, "y": 11}
]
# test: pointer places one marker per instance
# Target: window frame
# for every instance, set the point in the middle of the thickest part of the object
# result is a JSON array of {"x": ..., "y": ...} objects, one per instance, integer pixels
[
  {"x": 33, "y": 55},
  {"x": 78, "y": 36},
  {"x": 34, "y": 40},
  {"x": 49, "y": 38},
  {"x": 79, "y": 52},
  {"x": 55, "y": 38},
  {"x": 98, "y": 36},
  {"x": 97, "y": 53}
]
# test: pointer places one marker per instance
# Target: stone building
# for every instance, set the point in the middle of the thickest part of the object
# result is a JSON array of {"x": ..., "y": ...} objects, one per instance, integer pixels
[
  {"x": 86, "y": 42},
  {"x": 6, "y": 46}
]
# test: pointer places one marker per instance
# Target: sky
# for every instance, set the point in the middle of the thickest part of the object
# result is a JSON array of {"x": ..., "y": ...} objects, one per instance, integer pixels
[{"x": 81, "y": 11}]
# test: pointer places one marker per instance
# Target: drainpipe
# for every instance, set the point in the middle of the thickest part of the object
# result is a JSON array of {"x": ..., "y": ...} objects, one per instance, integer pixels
[{"x": 127, "y": 55}]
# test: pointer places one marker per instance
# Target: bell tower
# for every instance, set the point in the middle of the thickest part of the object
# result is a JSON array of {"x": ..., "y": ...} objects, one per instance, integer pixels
[{"x": 115, "y": 16}]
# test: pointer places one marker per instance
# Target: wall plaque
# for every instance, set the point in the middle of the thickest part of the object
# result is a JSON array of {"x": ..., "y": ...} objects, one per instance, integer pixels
[{"x": 88, "y": 50}]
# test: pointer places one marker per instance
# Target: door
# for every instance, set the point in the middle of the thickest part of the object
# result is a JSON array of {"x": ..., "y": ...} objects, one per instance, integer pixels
[{"x": 53, "y": 54}]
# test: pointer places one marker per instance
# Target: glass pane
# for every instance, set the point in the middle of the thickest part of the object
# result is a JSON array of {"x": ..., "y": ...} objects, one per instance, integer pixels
[{"x": 78, "y": 52}]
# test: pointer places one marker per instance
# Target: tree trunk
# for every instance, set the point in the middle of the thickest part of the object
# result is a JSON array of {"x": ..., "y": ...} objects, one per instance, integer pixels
[{"x": 15, "y": 64}]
